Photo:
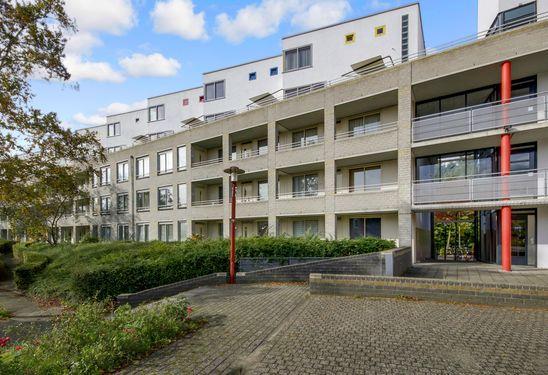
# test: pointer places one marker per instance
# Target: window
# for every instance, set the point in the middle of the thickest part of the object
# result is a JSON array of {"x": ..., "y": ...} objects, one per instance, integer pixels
[
  {"x": 181, "y": 158},
  {"x": 165, "y": 197},
  {"x": 113, "y": 130},
  {"x": 143, "y": 167},
  {"x": 298, "y": 58},
  {"x": 122, "y": 202},
  {"x": 380, "y": 30},
  {"x": 182, "y": 229},
  {"x": 365, "y": 227},
  {"x": 263, "y": 190},
  {"x": 364, "y": 124},
  {"x": 373, "y": 227},
  {"x": 303, "y": 228},
  {"x": 165, "y": 232},
  {"x": 156, "y": 113},
  {"x": 305, "y": 186},
  {"x": 305, "y": 137},
  {"x": 105, "y": 205},
  {"x": 253, "y": 76},
  {"x": 274, "y": 71},
  {"x": 214, "y": 90},
  {"x": 106, "y": 233},
  {"x": 95, "y": 204},
  {"x": 404, "y": 37},
  {"x": 143, "y": 200},
  {"x": 105, "y": 176},
  {"x": 113, "y": 149},
  {"x": 185, "y": 102},
  {"x": 262, "y": 228},
  {"x": 349, "y": 38},
  {"x": 95, "y": 179},
  {"x": 165, "y": 161},
  {"x": 262, "y": 144},
  {"x": 123, "y": 232},
  {"x": 181, "y": 196},
  {"x": 142, "y": 232},
  {"x": 81, "y": 205},
  {"x": 365, "y": 179},
  {"x": 201, "y": 99},
  {"x": 122, "y": 171},
  {"x": 514, "y": 17}
]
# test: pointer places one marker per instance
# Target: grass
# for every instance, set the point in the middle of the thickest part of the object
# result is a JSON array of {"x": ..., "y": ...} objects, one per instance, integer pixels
[{"x": 4, "y": 313}]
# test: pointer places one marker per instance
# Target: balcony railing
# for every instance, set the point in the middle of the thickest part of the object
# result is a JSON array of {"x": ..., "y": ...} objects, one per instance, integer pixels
[
  {"x": 300, "y": 144},
  {"x": 496, "y": 115},
  {"x": 206, "y": 162},
  {"x": 491, "y": 187},
  {"x": 367, "y": 188},
  {"x": 300, "y": 194},
  {"x": 367, "y": 130},
  {"x": 248, "y": 154},
  {"x": 211, "y": 202},
  {"x": 253, "y": 199}
]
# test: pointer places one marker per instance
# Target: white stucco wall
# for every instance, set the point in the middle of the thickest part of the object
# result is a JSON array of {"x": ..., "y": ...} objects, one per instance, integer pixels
[{"x": 176, "y": 112}]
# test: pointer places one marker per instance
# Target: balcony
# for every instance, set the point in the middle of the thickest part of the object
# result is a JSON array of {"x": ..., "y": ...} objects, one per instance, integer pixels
[
  {"x": 492, "y": 187},
  {"x": 521, "y": 110},
  {"x": 211, "y": 202},
  {"x": 208, "y": 209},
  {"x": 204, "y": 163},
  {"x": 255, "y": 206},
  {"x": 300, "y": 203},
  {"x": 299, "y": 152},
  {"x": 369, "y": 198}
]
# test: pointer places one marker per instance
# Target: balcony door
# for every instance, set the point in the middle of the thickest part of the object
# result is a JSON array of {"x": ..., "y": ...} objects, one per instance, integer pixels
[{"x": 524, "y": 238}]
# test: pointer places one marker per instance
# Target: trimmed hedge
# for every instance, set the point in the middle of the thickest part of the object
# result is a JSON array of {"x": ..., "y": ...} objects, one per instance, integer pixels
[
  {"x": 6, "y": 246},
  {"x": 25, "y": 274}
]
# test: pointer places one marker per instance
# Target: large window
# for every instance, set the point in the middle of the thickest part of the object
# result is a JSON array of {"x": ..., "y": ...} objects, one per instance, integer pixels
[
  {"x": 365, "y": 227},
  {"x": 514, "y": 17},
  {"x": 156, "y": 113},
  {"x": 123, "y": 232},
  {"x": 113, "y": 130},
  {"x": 181, "y": 158},
  {"x": 122, "y": 171},
  {"x": 165, "y": 197},
  {"x": 105, "y": 175},
  {"x": 305, "y": 185},
  {"x": 142, "y": 232},
  {"x": 262, "y": 228},
  {"x": 404, "y": 37},
  {"x": 263, "y": 190},
  {"x": 143, "y": 167},
  {"x": 105, "y": 205},
  {"x": 143, "y": 200},
  {"x": 305, "y": 137},
  {"x": 106, "y": 233},
  {"x": 122, "y": 202},
  {"x": 181, "y": 196},
  {"x": 365, "y": 179},
  {"x": 303, "y": 228},
  {"x": 364, "y": 124},
  {"x": 214, "y": 90},
  {"x": 165, "y": 232},
  {"x": 182, "y": 228},
  {"x": 298, "y": 58},
  {"x": 165, "y": 161}
]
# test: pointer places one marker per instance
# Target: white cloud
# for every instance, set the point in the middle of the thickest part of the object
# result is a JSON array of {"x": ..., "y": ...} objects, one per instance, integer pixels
[
  {"x": 321, "y": 14},
  {"x": 262, "y": 19},
  {"x": 153, "y": 65},
  {"x": 82, "y": 43},
  {"x": 380, "y": 4},
  {"x": 177, "y": 17},
  {"x": 92, "y": 120},
  {"x": 100, "y": 117},
  {"x": 91, "y": 70},
  {"x": 111, "y": 16}
]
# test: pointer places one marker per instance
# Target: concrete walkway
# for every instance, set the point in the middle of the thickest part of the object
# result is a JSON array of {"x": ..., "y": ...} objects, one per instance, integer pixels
[
  {"x": 281, "y": 329},
  {"x": 479, "y": 272}
]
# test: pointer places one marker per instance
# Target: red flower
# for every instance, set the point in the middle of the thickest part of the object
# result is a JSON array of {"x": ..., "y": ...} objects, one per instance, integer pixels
[
  {"x": 18, "y": 347},
  {"x": 4, "y": 341},
  {"x": 188, "y": 310}
]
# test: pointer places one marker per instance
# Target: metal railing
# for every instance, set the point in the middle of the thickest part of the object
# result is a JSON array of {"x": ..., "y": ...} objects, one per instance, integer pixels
[
  {"x": 367, "y": 188},
  {"x": 300, "y": 144},
  {"x": 300, "y": 194},
  {"x": 206, "y": 162},
  {"x": 367, "y": 129},
  {"x": 210, "y": 202},
  {"x": 487, "y": 187},
  {"x": 251, "y": 199},
  {"x": 520, "y": 110},
  {"x": 248, "y": 154}
]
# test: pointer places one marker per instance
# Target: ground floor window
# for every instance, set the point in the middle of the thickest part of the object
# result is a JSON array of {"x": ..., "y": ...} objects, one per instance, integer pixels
[
  {"x": 303, "y": 228},
  {"x": 123, "y": 232},
  {"x": 182, "y": 229},
  {"x": 142, "y": 232},
  {"x": 262, "y": 228},
  {"x": 365, "y": 227},
  {"x": 106, "y": 233},
  {"x": 165, "y": 232}
]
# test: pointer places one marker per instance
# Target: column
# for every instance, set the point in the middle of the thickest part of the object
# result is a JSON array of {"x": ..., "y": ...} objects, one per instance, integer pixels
[
  {"x": 272, "y": 175},
  {"x": 505, "y": 152},
  {"x": 330, "y": 169},
  {"x": 226, "y": 186}
]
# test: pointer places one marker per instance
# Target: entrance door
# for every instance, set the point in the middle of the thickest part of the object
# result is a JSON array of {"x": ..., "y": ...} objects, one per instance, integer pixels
[{"x": 524, "y": 238}]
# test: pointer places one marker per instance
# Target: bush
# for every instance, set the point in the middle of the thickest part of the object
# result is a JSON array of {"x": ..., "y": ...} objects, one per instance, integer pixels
[
  {"x": 33, "y": 262},
  {"x": 88, "y": 238},
  {"x": 4, "y": 271},
  {"x": 88, "y": 341},
  {"x": 6, "y": 246}
]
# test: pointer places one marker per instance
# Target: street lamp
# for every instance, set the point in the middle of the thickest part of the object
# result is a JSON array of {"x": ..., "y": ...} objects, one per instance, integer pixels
[{"x": 233, "y": 172}]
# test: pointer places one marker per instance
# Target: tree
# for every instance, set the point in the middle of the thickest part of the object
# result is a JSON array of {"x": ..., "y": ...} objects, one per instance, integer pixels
[{"x": 35, "y": 149}]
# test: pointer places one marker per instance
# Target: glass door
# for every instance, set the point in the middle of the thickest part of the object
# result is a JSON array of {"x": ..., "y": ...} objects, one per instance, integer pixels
[{"x": 524, "y": 238}]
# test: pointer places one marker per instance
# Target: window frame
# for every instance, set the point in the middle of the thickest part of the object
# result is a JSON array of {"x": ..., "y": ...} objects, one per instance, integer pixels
[
  {"x": 108, "y": 209},
  {"x": 108, "y": 180},
  {"x": 215, "y": 94},
  {"x": 297, "y": 50},
  {"x": 117, "y": 129},
  {"x": 168, "y": 205},
  {"x": 179, "y": 166},
  {"x": 181, "y": 204},
  {"x": 137, "y": 160},
  {"x": 126, "y": 228},
  {"x": 143, "y": 208},
  {"x": 252, "y": 76},
  {"x": 381, "y": 28},
  {"x": 156, "y": 109},
  {"x": 274, "y": 71},
  {"x": 126, "y": 202},
  {"x": 146, "y": 226},
  {"x": 125, "y": 171},
  {"x": 166, "y": 224},
  {"x": 167, "y": 170}
]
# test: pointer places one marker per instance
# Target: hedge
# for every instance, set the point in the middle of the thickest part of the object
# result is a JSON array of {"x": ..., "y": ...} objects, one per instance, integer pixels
[
  {"x": 25, "y": 274},
  {"x": 6, "y": 246}
]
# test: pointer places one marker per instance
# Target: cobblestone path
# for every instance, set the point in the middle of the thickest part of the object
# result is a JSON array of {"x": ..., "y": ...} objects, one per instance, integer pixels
[{"x": 280, "y": 329}]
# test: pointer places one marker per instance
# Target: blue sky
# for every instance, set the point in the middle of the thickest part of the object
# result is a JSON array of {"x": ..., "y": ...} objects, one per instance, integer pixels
[{"x": 126, "y": 51}]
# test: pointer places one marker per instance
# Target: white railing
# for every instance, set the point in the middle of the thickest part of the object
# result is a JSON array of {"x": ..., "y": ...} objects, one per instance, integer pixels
[
  {"x": 520, "y": 110},
  {"x": 487, "y": 187},
  {"x": 253, "y": 199},
  {"x": 367, "y": 129},
  {"x": 387, "y": 62},
  {"x": 211, "y": 202},
  {"x": 206, "y": 162},
  {"x": 301, "y": 194},
  {"x": 299, "y": 144},
  {"x": 248, "y": 154},
  {"x": 367, "y": 188}
]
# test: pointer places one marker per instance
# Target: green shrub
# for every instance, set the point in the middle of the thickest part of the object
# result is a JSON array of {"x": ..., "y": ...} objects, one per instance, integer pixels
[
  {"x": 4, "y": 271},
  {"x": 32, "y": 263},
  {"x": 88, "y": 341},
  {"x": 88, "y": 238},
  {"x": 6, "y": 246}
]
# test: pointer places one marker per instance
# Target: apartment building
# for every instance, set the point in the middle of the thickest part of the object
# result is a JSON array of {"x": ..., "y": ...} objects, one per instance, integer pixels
[{"x": 405, "y": 152}]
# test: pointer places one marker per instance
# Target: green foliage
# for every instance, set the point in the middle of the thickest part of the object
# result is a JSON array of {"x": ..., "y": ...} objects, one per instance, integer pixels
[
  {"x": 88, "y": 341},
  {"x": 6, "y": 246},
  {"x": 33, "y": 263},
  {"x": 88, "y": 238},
  {"x": 104, "y": 270},
  {"x": 4, "y": 314}
]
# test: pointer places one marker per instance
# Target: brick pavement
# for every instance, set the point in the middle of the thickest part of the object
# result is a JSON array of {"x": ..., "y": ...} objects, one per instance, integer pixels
[{"x": 260, "y": 329}]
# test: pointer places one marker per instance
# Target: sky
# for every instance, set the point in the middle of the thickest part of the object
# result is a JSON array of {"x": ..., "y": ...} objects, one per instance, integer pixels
[{"x": 125, "y": 51}]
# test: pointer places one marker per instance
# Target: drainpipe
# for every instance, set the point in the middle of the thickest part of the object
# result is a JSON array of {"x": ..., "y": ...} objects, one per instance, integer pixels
[
  {"x": 505, "y": 153},
  {"x": 133, "y": 198}
]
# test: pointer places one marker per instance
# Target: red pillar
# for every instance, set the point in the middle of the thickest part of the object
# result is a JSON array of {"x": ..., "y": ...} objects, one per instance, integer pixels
[
  {"x": 232, "y": 274},
  {"x": 505, "y": 152}
]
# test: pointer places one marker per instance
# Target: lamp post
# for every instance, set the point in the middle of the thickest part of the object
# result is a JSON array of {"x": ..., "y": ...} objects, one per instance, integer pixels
[{"x": 233, "y": 172}]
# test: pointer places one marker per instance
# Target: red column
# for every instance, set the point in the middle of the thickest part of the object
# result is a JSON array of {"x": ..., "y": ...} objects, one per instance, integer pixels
[
  {"x": 232, "y": 275},
  {"x": 505, "y": 152}
]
